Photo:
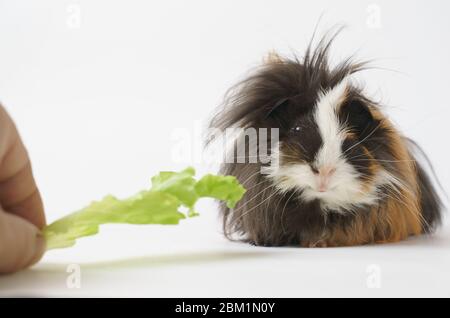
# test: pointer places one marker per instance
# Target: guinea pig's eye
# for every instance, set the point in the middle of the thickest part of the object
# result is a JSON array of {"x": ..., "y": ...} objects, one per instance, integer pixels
[{"x": 296, "y": 129}]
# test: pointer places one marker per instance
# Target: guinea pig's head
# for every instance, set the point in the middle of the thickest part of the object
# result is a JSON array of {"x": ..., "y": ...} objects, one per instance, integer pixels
[
  {"x": 335, "y": 145},
  {"x": 329, "y": 145}
]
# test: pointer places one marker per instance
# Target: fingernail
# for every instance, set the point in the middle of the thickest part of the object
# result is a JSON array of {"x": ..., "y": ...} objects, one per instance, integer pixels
[{"x": 39, "y": 248}]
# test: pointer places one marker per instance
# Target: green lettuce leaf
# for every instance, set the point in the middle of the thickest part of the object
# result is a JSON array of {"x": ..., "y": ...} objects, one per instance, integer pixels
[
  {"x": 162, "y": 204},
  {"x": 225, "y": 188}
]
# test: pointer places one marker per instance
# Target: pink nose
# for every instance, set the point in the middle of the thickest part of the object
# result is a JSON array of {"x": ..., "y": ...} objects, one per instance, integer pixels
[{"x": 324, "y": 176}]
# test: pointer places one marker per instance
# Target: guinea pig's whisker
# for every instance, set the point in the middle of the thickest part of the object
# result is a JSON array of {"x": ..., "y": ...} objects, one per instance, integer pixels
[
  {"x": 253, "y": 208},
  {"x": 398, "y": 188},
  {"x": 380, "y": 160},
  {"x": 359, "y": 156},
  {"x": 251, "y": 176},
  {"x": 400, "y": 185},
  {"x": 276, "y": 209},
  {"x": 394, "y": 197},
  {"x": 358, "y": 166},
  {"x": 287, "y": 156},
  {"x": 245, "y": 157},
  {"x": 366, "y": 178},
  {"x": 254, "y": 186},
  {"x": 302, "y": 148},
  {"x": 253, "y": 198},
  {"x": 293, "y": 158},
  {"x": 282, "y": 212},
  {"x": 362, "y": 155},
  {"x": 266, "y": 214}
]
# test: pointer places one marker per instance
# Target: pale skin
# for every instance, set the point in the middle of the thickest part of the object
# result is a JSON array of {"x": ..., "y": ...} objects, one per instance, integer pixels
[{"x": 21, "y": 209}]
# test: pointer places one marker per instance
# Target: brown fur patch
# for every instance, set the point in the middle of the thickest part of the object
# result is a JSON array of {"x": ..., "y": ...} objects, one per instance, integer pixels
[{"x": 399, "y": 216}]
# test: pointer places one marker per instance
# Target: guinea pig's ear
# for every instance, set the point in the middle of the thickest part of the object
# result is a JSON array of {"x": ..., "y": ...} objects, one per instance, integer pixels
[{"x": 357, "y": 116}]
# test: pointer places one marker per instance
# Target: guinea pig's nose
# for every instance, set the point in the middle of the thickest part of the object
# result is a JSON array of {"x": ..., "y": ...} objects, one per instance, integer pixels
[{"x": 324, "y": 175}]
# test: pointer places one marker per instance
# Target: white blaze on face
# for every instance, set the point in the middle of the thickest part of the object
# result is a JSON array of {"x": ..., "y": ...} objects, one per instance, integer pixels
[
  {"x": 344, "y": 190},
  {"x": 329, "y": 126}
]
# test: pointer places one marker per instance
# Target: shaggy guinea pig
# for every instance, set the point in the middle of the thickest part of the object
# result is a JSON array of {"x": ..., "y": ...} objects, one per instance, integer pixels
[{"x": 340, "y": 173}]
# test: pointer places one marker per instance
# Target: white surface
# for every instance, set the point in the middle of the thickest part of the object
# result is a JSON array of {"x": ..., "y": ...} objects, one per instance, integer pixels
[
  {"x": 194, "y": 260},
  {"x": 97, "y": 104}
]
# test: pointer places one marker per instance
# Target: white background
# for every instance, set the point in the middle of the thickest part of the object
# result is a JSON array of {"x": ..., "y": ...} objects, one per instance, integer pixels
[{"x": 97, "y": 88}]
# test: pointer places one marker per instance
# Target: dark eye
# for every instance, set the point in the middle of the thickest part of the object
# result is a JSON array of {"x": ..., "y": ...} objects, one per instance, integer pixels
[{"x": 296, "y": 129}]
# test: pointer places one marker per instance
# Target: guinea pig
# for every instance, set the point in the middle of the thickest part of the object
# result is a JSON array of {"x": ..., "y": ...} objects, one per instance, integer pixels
[{"x": 341, "y": 173}]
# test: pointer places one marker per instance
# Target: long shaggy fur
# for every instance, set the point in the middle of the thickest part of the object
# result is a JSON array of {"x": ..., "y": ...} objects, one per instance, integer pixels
[{"x": 275, "y": 96}]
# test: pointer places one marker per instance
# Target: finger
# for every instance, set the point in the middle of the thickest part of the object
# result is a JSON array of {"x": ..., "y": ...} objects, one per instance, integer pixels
[
  {"x": 18, "y": 190},
  {"x": 19, "y": 195},
  {"x": 21, "y": 244}
]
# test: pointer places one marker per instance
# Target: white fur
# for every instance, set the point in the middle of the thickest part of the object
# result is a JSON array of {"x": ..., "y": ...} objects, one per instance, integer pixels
[
  {"x": 330, "y": 130},
  {"x": 345, "y": 190}
]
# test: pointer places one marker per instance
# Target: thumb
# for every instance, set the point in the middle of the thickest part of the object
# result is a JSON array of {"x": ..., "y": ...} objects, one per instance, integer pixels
[{"x": 21, "y": 243}]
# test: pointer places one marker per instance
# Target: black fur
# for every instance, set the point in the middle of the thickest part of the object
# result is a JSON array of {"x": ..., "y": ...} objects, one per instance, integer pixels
[{"x": 431, "y": 203}]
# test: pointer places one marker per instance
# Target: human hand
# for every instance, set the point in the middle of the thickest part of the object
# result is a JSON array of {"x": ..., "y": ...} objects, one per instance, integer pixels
[{"x": 21, "y": 209}]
